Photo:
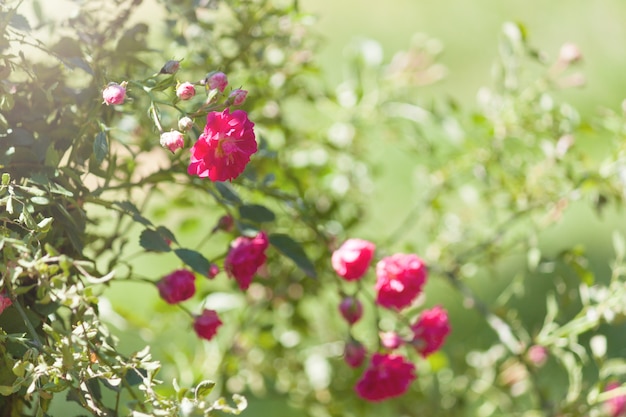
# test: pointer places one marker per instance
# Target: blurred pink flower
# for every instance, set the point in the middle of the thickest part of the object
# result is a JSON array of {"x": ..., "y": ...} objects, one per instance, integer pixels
[
  {"x": 213, "y": 271},
  {"x": 206, "y": 325},
  {"x": 353, "y": 258},
  {"x": 245, "y": 257},
  {"x": 391, "y": 340},
  {"x": 238, "y": 97},
  {"x": 177, "y": 286},
  {"x": 386, "y": 377},
  {"x": 185, "y": 91},
  {"x": 430, "y": 330},
  {"x": 538, "y": 355},
  {"x": 400, "y": 279},
  {"x": 354, "y": 353},
  {"x": 224, "y": 148},
  {"x": 114, "y": 93},
  {"x": 351, "y": 309},
  {"x": 217, "y": 80},
  {"x": 172, "y": 140},
  {"x": 615, "y": 406},
  {"x": 5, "y": 302}
]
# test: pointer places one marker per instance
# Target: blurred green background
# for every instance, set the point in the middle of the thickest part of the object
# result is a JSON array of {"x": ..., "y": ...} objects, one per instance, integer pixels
[{"x": 469, "y": 32}]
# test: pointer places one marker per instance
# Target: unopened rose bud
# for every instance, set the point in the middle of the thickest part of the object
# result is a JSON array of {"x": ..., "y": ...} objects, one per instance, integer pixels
[
  {"x": 570, "y": 53},
  {"x": 172, "y": 140},
  {"x": 185, "y": 123},
  {"x": 351, "y": 309},
  {"x": 114, "y": 93},
  {"x": 213, "y": 271},
  {"x": 354, "y": 353},
  {"x": 225, "y": 223},
  {"x": 216, "y": 80},
  {"x": 185, "y": 91},
  {"x": 170, "y": 67},
  {"x": 538, "y": 355},
  {"x": 237, "y": 97}
]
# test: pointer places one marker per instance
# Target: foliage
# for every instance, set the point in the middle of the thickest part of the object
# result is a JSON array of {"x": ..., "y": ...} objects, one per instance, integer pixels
[{"x": 91, "y": 203}]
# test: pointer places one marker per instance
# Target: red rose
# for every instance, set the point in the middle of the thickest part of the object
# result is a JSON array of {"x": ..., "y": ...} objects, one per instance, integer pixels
[
  {"x": 430, "y": 330},
  {"x": 400, "y": 279},
  {"x": 177, "y": 286},
  {"x": 224, "y": 149},
  {"x": 387, "y": 376},
  {"x": 353, "y": 258},
  {"x": 245, "y": 257},
  {"x": 206, "y": 325}
]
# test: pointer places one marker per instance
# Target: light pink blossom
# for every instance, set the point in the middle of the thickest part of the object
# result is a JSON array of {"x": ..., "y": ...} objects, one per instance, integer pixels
[
  {"x": 217, "y": 80},
  {"x": 172, "y": 140},
  {"x": 114, "y": 93},
  {"x": 185, "y": 91},
  {"x": 238, "y": 97},
  {"x": 353, "y": 258}
]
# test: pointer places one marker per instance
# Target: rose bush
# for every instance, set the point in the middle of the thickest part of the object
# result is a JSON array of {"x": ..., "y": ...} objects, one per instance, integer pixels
[{"x": 95, "y": 215}]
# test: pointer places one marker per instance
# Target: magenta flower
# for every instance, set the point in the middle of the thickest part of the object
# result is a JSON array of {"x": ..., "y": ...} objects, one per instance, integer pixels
[
  {"x": 615, "y": 406},
  {"x": 224, "y": 149},
  {"x": 114, "y": 93},
  {"x": 185, "y": 91},
  {"x": 430, "y": 330},
  {"x": 351, "y": 309},
  {"x": 206, "y": 325},
  {"x": 177, "y": 286},
  {"x": 172, "y": 140},
  {"x": 353, "y": 258},
  {"x": 400, "y": 279},
  {"x": 386, "y": 377},
  {"x": 354, "y": 353},
  {"x": 213, "y": 271},
  {"x": 245, "y": 257}
]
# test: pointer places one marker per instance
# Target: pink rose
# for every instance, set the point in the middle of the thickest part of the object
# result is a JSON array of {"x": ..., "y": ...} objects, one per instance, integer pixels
[
  {"x": 386, "y": 377},
  {"x": 351, "y": 309},
  {"x": 177, "y": 286},
  {"x": 400, "y": 279},
  {"x": 206, "y": 325},
  {"x": 114, "y": 93},
  {"x": 217, "y": 80},
  {"x": 354, "y": 353},
  {"x": 172, "y": 140},
  {"x": 185, "y": 91},
  {"x": 224, "y": 149},
  {"x": 5, "y": 302},
  {"x": 617, "y": 405},
  {"x": 353, "y": 258},
  {"x": 391, "y": 340},
  {"x": 245, "y": 257},
  {"x": 237, "y": 97},
  {"x": 430, "y": 330}
]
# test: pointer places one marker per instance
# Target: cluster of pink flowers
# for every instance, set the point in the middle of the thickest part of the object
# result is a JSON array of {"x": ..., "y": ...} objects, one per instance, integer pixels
[
  {"x": 400, "y": 279},
  {"x": 245, "y": 257},
  {"x": 223, "y": 150}
]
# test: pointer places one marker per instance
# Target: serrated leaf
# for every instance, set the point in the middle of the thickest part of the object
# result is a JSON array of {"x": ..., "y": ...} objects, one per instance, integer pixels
[
  {"x": 194, "y": 259},
  {"x": 203, "y": 389},
  {"x": 292, "y": 249},
  {"x": 166, "y": 233},
  {"x": 256, "y": 213},
  {"x": 100, "y": 147},
  {"x": 153, "y": 241},
  {"x": 130, "y": 208},
  {"x": 227, "y": 192}
]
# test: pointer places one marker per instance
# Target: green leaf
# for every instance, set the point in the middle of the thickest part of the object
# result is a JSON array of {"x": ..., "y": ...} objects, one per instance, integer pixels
[
  {"x": 153, "y": 241},
  {"x": 203, "y": 389},
  {"x": 166, "y": 233},
  {"x": 6, "y": 178},
  {"x": 19, "y": 22},
  {"x": 227, "y": 192},
  {"x": 292, "y": 249},
  {"x": 194, "y": 259},
  {"x": 100, "y": 147},
  {"x": 256, "y": 213},
  {"x": 130, "y": 208}
]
